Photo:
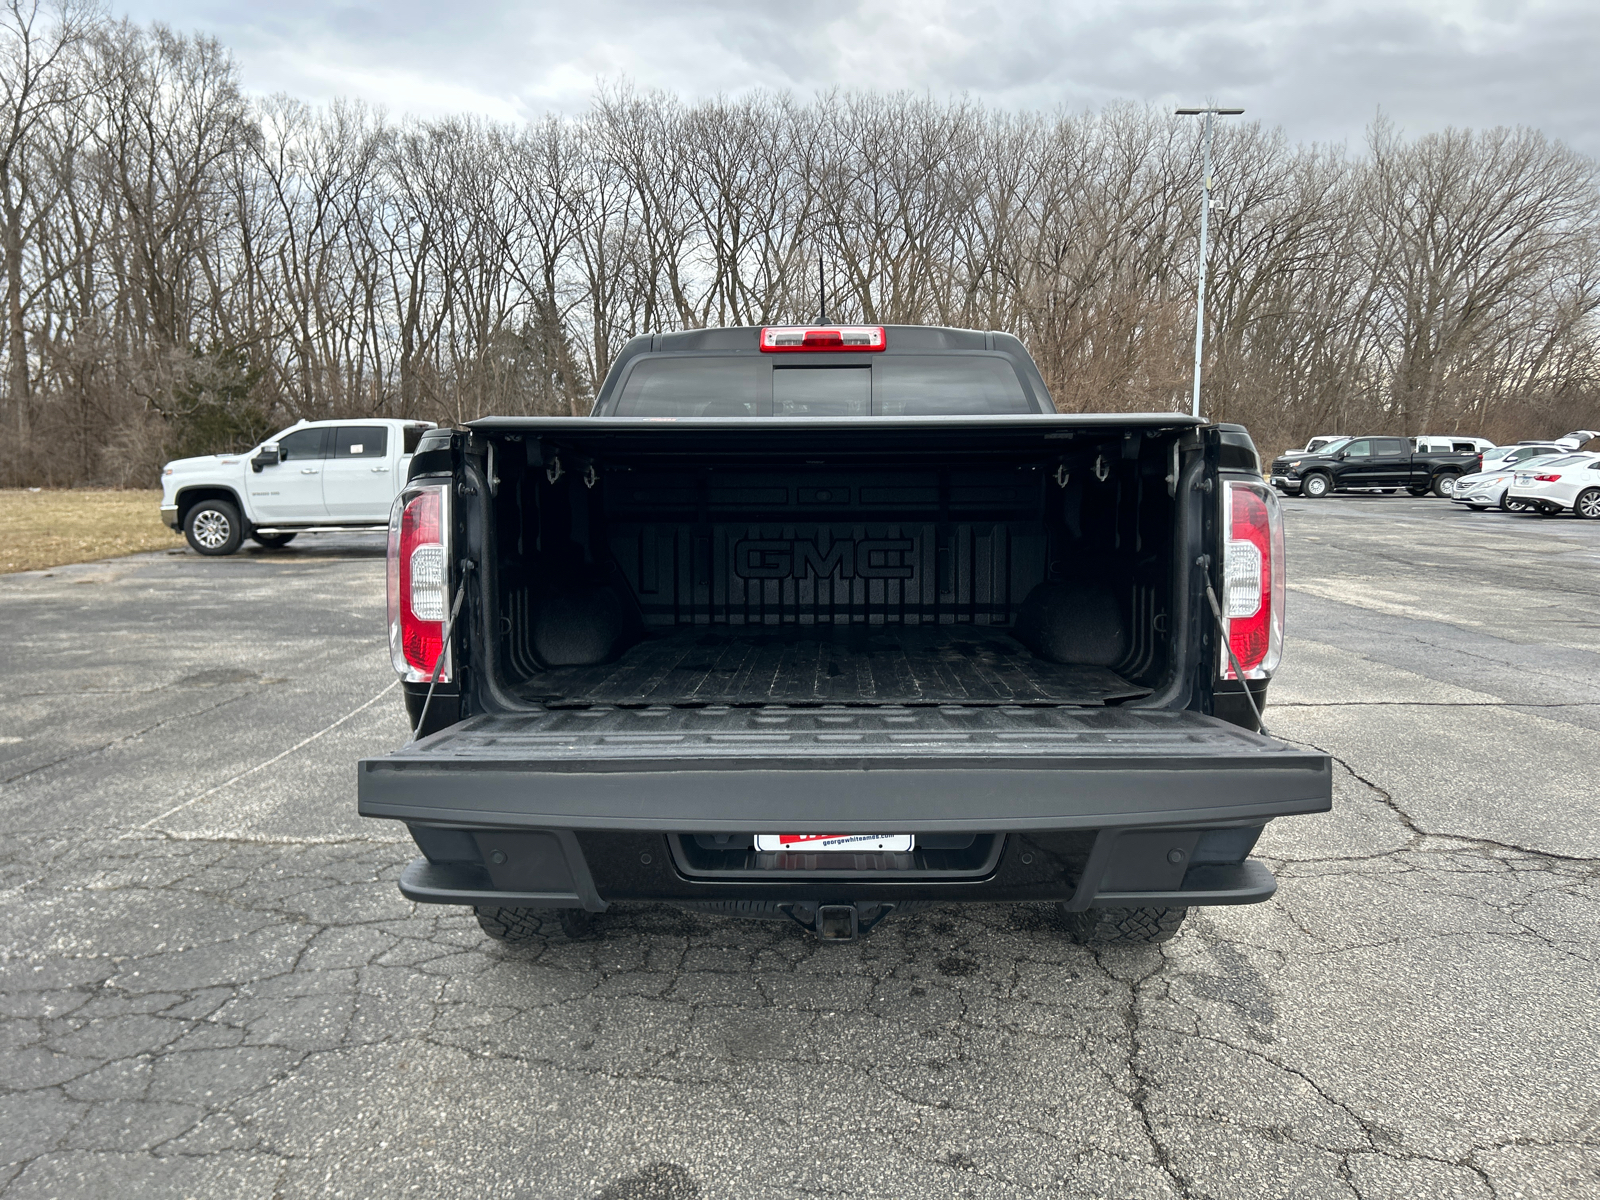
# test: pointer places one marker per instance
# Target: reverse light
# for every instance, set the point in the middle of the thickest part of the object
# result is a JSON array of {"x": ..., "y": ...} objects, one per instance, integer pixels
[
  {"x": 781, "y": 339},
  {"x": 419, "y": 581},
  {"x": 1252, "y": 579}
]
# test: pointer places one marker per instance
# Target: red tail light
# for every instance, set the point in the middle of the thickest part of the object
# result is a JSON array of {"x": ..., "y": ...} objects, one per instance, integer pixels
[
  {"x": 1253, "y": 579},
  {"x": 419, "y": 581},
  {"x": 783, "y": 339},
  {"x": 1547, "y": 478}
]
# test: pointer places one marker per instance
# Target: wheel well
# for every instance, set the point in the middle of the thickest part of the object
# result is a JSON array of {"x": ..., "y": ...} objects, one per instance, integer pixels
[{"x": 188, "y": 498}]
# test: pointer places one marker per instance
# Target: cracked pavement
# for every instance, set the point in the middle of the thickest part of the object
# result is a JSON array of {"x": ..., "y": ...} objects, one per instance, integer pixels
[{"x": 209, "y": 986}]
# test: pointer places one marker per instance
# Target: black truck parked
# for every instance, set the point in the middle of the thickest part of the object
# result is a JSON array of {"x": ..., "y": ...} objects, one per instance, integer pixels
[
  {"x": 1386, "y": 463},
  {"x": 815, "y": 624}
]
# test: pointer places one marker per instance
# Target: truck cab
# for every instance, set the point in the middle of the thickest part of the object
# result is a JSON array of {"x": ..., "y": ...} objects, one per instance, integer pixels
[{"x": 315, "y": 475}]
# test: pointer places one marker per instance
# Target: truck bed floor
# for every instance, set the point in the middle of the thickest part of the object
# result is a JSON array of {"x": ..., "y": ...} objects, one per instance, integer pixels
[{"x": 856, "y": 664}]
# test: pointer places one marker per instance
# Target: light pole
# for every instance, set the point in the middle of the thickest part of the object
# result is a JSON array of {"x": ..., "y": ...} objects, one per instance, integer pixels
[{"x": 1205, "y": 213}]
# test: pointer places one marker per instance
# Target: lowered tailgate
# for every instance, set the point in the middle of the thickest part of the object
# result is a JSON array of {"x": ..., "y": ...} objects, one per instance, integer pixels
[{"x": 849, "y": 769}]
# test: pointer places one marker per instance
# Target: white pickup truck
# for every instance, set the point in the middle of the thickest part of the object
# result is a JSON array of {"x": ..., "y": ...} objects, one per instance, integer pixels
[{"x": 317, "y": 475}]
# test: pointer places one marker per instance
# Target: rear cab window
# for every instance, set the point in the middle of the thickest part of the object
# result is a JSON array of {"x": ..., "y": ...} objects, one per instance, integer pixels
[
  {"x": 360, "y": 441},
  {"x": 911, "y": 385}
]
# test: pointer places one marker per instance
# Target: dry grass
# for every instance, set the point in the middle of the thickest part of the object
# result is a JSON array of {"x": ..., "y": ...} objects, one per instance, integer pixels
[{"x": 49, "y": 528}]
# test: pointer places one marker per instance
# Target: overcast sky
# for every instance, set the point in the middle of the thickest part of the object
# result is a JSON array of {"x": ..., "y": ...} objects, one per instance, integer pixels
[{"x": 1321, "y": 70}]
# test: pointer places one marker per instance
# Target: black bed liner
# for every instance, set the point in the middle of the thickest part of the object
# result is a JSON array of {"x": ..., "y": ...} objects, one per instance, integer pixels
[{"x": 829, "y": 664}]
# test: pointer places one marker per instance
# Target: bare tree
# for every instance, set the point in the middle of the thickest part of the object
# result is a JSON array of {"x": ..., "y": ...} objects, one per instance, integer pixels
[
  {"x": 39, "y": 45},
  {"x": 186, "y": 269}
]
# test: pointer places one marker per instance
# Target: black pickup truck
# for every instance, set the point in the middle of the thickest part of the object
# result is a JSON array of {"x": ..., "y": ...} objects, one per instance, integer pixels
[
  {"x": 817, "y": 624},
  {"x": 1371, "y": 462}
]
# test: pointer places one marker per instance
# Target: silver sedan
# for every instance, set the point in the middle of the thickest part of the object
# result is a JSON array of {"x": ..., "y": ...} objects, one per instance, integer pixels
[{"x": 1487, "y": 489}]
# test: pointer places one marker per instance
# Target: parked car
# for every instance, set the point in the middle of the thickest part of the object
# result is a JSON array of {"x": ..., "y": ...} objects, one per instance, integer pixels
[
  {"x": 1507, "y": 457},
  {"x": 314, "y": 475},
  {"x": 813, "y": 624},
  {"x": 1317, "y": 444},
  {"x": 1386, "y": 463},
  {"x": 1486, "y": 489},
  {"x": 1454, "y": 443},
  {"x": 1569, "y": 484}
]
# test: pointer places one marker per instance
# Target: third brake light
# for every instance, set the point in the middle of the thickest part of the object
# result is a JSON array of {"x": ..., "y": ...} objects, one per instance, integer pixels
[{"x": 781, "y": 339}]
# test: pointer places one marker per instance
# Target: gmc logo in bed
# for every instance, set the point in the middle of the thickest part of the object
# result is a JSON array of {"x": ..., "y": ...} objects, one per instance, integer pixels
[{"x": 870, "y": 558}]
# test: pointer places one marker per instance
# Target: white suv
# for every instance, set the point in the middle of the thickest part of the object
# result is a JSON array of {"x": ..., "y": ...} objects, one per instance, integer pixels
[
  {"x": 315, "y": 475},
  {"x": 1450, "y": 444}
]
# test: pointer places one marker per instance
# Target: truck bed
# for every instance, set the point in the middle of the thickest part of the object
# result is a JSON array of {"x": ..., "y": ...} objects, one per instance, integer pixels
[
  {"x": 974, "y": 644},
  {"x": 856, "y": 664}
]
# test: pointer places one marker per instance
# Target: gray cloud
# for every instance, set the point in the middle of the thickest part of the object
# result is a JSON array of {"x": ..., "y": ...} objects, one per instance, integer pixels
[{"x": 1321, "y": 70}]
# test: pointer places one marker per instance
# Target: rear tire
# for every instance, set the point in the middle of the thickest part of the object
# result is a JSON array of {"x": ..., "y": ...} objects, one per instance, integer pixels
[
  {"x": 1418, "y": 492},
  {"x": 1587, "y": 504},
  {"x": 518, "y": 925},
  {"x": 272, "y": 541},
  {"x": 1315, "y": 486},
  {"x": 1123, "y": 926},
  {"x": 1507, "y": 504},
  {"x": 213, "y": 528},
  {"x": 1444, "y": 486}
]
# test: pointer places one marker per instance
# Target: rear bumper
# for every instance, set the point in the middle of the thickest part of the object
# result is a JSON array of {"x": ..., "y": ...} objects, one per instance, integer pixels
[
  {"x": 1247, "y": 882},
  {"x": 1086, "y": 805},
  {"x": 1534, "y": 497}
]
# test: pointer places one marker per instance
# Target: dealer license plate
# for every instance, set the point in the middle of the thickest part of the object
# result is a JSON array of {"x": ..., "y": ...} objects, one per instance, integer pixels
[{"x": 891, "y": 842}]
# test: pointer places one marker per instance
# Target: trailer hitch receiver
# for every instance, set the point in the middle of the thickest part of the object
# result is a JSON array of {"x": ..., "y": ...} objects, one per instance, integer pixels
[{"x": 838, "y": 922}]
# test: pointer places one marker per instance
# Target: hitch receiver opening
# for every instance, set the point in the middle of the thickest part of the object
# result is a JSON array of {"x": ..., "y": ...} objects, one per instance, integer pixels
[{"x": 838, "y": 922}]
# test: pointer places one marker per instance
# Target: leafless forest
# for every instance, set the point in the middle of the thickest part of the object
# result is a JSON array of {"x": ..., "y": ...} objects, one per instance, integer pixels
[{"x": 187, "y": 268}]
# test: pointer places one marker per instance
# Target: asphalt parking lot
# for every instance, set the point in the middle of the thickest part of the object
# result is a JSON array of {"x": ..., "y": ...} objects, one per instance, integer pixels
[{"x": 211, "y": 988}]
